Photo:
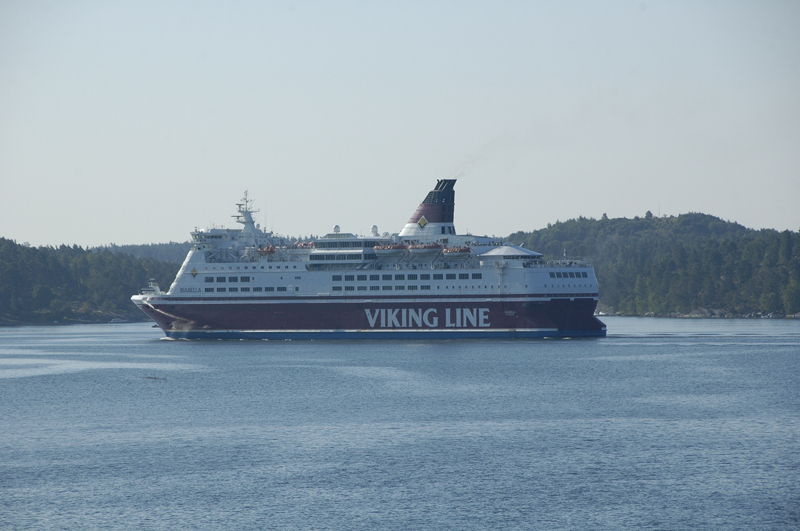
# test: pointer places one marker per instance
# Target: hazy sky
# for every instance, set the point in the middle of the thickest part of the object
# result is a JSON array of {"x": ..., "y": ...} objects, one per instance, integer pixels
[{"x": 134, "y": 122}]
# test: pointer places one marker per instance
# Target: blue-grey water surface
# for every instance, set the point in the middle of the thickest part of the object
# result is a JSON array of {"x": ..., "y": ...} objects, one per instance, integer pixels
[{"x": 665, "y": 424}]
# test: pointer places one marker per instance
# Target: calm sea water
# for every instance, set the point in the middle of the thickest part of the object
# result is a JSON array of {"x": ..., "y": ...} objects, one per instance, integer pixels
[{"x": 665, "y": 424}]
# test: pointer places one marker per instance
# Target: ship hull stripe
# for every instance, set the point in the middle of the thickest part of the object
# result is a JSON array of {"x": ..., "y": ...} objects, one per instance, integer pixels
[
  {"x": 328, "y": 299},
  {"x": 416, "y": 334}
]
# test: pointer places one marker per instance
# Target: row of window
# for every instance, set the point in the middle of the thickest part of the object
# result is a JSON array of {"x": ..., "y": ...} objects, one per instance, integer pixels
[
  {"x": 422, "y": 287},
  {"x": 254, "y": 267},
  {"x": 401, "y": 276},
  {"x": 347, "y": 244},
  {"x": 229, "y": 279},
  {"x": 411, "y": 287},
  {"x": 579, "y": 274},
  {"x": 237, "y": 290},
  {"x": 384, "y": 288},
  {"x": 410, "y": 276},
  {"x": 348, "y": 256}
]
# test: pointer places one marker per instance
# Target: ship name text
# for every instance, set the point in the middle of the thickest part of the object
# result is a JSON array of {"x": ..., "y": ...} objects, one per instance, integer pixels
[{"x": 428, "y": 318}]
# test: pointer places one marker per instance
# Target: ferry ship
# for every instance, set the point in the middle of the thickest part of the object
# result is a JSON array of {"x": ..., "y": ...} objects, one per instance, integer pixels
[{"x": 425, "y": 282}]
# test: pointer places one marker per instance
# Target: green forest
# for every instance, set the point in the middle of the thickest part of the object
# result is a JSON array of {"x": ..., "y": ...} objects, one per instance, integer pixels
[
  {"x": 72, "y": 284},
  {"x": 680, "y": 265},
  {"x": 164, "y": 252},
  {"x": 692, "y": 264}
]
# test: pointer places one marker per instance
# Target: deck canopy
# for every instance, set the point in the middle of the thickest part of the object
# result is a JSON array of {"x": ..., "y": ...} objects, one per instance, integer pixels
[{"x": 511, "y": 252}]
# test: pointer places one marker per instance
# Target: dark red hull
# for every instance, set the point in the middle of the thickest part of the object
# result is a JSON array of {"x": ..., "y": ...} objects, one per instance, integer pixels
[{"x": 333, "y": 317}]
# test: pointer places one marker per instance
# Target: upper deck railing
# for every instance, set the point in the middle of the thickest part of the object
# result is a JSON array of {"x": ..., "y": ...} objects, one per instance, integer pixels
[{"x": 406, "y": 261}]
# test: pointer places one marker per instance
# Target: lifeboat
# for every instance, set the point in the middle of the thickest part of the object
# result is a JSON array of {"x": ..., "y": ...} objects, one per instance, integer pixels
[
  {"x": 270, "y": 249},
  {"x": 456, "y": 252},
  {"x": 426, "y": 249},
  {"x": 392, "y": 249}
]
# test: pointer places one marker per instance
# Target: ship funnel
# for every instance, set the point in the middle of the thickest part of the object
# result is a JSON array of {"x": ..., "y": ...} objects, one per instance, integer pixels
[{"x": 434, "y": 217}]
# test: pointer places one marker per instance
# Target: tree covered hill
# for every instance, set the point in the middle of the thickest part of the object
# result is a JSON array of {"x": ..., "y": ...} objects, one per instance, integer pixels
[
  {"x": 72, "y": 284},
  {"x": 692, "y": 263},
  {"x": 680, "y": 264},
  {"x": 163, "y": 252}
]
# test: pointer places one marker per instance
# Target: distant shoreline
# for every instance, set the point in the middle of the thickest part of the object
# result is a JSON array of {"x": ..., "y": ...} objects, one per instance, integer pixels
[{"x": 701, "y": 317}]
